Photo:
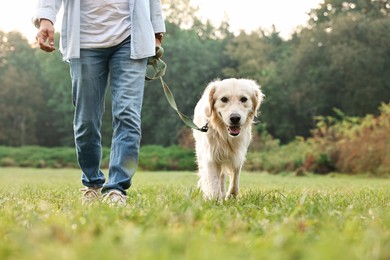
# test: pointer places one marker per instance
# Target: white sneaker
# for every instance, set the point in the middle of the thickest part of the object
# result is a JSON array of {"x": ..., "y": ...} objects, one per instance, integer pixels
[
  {"x": 90, "y": 195},
  {"x": 114, "y": 198}
]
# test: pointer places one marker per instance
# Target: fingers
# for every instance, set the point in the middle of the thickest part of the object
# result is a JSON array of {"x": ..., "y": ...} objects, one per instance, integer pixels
[
  {"x": 45, "y": 36},
  {"x": 158, "y": 42},
  {"x": 51, "y": 39},
  {"x": 45, "y": 43}
]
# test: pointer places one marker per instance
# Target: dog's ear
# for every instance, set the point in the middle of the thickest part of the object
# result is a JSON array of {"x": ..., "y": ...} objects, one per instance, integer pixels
[
  {"x": 209, "y": 93},
  {"x": 257, "y": 97}
]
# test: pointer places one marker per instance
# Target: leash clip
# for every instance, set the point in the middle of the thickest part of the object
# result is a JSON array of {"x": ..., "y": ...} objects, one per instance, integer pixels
[{"x": 205, "y": 128}]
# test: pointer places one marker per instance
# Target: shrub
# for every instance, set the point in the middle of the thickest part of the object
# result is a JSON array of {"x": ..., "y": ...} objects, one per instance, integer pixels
[
  {"x": 7, "y": 162},
  {"x": 355, "y": 145},
  {"x": 288, "y": 157},
  {"x": 38, "y": 157},
  {"x": 156, "y": 158},
  {"x": 153, "y": 158}
]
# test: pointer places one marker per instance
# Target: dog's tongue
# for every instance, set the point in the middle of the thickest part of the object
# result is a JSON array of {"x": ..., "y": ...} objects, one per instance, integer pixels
[{"x": 234, "y": 130}]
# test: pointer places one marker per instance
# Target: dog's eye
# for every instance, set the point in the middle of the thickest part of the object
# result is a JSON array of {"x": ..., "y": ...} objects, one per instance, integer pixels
[
  {"x": 243, "y": 99},
  {"x": 224, "y": 99}
]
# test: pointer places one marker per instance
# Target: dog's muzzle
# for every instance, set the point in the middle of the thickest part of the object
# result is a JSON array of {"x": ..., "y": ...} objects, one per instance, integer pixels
[{"x": 234, "y": 128}]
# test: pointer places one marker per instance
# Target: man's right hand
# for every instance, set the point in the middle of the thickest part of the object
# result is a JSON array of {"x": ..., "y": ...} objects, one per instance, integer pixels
[{"x": 45, "y": 36}]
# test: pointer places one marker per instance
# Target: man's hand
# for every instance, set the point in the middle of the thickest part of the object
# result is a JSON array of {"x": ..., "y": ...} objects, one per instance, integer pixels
[
  {"x": 159, "y": 39},
  {"x": 158, "y": 43},
  {"x": 45, "y": 36}
]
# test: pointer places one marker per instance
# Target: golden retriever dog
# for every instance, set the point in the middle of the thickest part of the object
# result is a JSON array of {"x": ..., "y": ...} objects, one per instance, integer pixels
[{"x": 228, "y": 107}]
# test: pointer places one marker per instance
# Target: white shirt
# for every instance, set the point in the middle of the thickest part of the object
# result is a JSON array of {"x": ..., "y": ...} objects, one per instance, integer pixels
[
  {"x": 146, "y": 20},
  {"x": 103, "y": 23}
]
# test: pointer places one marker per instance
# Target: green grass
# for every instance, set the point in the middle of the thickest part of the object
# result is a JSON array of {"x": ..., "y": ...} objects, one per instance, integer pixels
[{"x": 275, "y": 217}]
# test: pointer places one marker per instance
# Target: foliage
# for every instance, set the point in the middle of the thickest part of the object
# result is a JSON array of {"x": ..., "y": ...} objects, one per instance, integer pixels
[
  {"x": 262, "y": 140},
  {"x": 20, "y": 91},
  {"x": 284, "y": 158},
  {"x": 174, "y": 158},
  {"x": 343, "y": 64},
  {"x": 39, "y": 157},
  {"x": 330, "y": 9},
  {"x": 152, "y": 157},
  {"x": 355, "y": 145},
  {"x": 166, "y": 218},
  {"x": 255, "y": 55}
]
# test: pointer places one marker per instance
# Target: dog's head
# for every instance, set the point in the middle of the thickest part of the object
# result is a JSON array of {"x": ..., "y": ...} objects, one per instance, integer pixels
[{"x": 234, "y": 102}]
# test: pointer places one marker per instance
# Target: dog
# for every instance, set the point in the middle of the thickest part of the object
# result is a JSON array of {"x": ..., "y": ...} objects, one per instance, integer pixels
[{"x": 228, "y": 107}]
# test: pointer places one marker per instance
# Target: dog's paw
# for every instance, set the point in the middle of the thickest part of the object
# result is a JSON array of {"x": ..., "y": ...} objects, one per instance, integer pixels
[
  {"x": 230, "y": 196},
  {"x": 218, "y": 197}
]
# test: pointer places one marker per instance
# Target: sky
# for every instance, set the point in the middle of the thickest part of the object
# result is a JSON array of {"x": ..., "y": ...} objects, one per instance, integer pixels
[{"x": 246, "y": 15}]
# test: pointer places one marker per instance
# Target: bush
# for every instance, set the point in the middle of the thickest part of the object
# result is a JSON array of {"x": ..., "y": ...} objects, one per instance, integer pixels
[
  {"x": 355, "y": 145},
  {"x": 152, "y": 157},
  {"x": 7, "y": 162},
  {"x": 37, "y": 157},
  {"x": 289, "y": 157},
  {"x": 156, "y": 158}
]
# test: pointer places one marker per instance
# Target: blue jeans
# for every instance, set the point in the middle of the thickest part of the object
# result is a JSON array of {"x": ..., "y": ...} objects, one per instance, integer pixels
[{"x": 91, "y": 74}]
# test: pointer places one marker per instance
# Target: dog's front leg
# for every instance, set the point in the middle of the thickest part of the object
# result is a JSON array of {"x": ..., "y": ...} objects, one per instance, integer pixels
[
  {"x": 234, "y": 183},
  {"x": 223, "y": 184},
  {"x": 210, "y": 181}
]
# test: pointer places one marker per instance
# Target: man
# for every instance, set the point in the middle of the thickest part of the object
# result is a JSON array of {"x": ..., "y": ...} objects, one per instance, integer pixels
[{"x": 105, "y": 41}]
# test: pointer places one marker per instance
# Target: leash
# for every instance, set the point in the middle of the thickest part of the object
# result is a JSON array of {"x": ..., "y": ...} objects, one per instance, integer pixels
[{"x": 156, "y": 70}]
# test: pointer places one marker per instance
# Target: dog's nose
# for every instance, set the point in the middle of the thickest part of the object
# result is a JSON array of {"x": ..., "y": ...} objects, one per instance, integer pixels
[{"x": 235, "y": 118}]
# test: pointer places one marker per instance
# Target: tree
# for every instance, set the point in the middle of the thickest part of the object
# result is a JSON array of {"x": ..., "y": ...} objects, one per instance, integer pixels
[
  {"x": 341, "y": 61},
  {"x": 21, "y": 97},
  {"x": 254, "y": 55},
  {"x": 330, "y": 9}
]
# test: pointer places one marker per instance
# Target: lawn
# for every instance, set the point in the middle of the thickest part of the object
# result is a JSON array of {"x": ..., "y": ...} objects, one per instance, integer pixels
[{"x": 275, "y": 217}]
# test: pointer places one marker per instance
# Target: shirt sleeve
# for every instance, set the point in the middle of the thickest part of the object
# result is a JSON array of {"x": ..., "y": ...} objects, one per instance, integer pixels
[
  {"x": 47, "y": 9},
  {"x": 156, "y": 16}
]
